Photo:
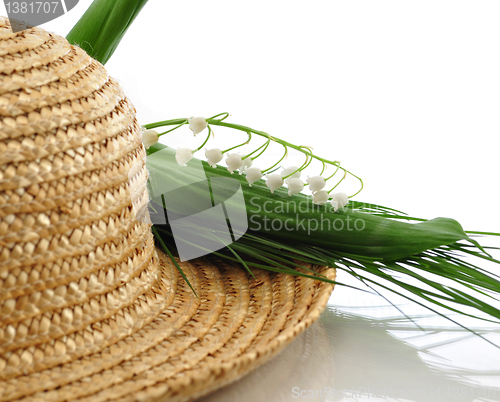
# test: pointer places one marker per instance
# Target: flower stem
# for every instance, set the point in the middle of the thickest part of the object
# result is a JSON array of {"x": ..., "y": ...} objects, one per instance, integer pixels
[
  {"x": 165, "y": 123},
  {"x": 226, "y": 115},
  {"x": 215, "y": 120},
  {"x": 336, "y": 170},
  {"x": 283, "y": 157},
  {"x": 340, "y": 181},
  {"x": 206, "y": 140},
  {"x": 240, "y": 145},
  {"x": 304, "y": 165},
  {"x": 322, "y": 170},
  {"x": 265, "y": 145},
  {"x": 172, "y": 129}
]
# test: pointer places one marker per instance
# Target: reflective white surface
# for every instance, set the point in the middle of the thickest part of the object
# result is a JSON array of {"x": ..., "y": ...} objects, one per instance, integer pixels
[
  {"x": 373, "y": 353},
  {"x": 382, "y": 347}
]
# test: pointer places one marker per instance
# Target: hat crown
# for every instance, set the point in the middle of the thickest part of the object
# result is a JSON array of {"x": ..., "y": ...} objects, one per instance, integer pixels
[{"x": 78, "y": 268}]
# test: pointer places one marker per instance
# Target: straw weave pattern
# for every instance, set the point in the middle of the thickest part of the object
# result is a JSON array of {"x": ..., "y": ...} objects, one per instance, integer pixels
[
  {"x": 89, "y": 309},
  {"x": 77, "y": 266}
]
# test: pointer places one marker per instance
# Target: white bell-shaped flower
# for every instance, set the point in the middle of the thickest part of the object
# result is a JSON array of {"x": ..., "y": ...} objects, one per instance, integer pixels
[
  {"x": 183, "y": 156},
  {"x": 149, "y": 137},
  {"x": 288, "y": 170},
  {"x": 320, "y": 197},
  {"x": 197, "y": 124},
  {"x": 316, "y": 183},
  {"x": 274, "y": 181},
  {"x": 247, "y": 162},
  {"x": 339, "y": 200},
  {"x": 213, "y": 156},
  {"x": 253, "y": 174},
  {"x": 295, "y": 185},
  {"x": 234, "y": 162}
]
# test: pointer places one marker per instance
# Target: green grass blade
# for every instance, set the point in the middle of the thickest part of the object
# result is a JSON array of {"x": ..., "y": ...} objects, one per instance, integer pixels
[
  {"x": 430, "y": 309},
  {"x": 164, "y": 246},
  {"x": 241, "y": 260}
]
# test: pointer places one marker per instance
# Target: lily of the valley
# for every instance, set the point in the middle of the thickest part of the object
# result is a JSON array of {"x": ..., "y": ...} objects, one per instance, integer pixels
[
  {"x": 339, "y": 200},
  {"x": 288, "y": 170},
  {"x": 233, "y": 162},
  {"x": 295, "y": 185},
  {"x": 183, "y": 156},
  {"x": 274, "y": 181},
  {"x": 213, "y": 156},
  {"x": 320, "y": 197},
  {"x": 197, "y": 124},
  {"x": 247, "y": 162},
  {"x": 316, "y": 183},
  {"x": 149, "y": 137},
  {"x": 253, "y": 174}
]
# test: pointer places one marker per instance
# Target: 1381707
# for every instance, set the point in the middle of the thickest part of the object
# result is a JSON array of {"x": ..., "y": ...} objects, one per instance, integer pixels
[{"x": 31, "y": 7}]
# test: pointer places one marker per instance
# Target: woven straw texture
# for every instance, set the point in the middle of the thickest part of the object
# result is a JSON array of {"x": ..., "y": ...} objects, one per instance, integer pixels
[{"x": 88, "y": 308}]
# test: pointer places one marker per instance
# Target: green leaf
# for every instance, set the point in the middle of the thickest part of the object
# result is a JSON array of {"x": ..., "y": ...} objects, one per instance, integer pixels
[
  {"x": 103, "y": 25},
  {"x": 297, "y": 218}
]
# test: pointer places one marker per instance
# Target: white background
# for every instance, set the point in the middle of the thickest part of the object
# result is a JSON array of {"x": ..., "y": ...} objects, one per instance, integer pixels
[{"x": 404, "y": 94}]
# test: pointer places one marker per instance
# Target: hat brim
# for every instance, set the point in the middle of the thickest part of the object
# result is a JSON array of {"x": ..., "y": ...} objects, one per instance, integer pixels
[{"x": 196, "y": 344}]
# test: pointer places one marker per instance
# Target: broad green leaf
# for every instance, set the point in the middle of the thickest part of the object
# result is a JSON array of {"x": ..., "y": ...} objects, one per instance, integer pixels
[{"x": 103, "y": 25}]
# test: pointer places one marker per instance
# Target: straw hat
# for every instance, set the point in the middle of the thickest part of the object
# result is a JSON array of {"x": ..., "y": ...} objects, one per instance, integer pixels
[{"x": 89, "y": 309}]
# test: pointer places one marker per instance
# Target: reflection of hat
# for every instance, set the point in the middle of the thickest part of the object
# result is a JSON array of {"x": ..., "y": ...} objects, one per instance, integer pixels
[
  {"x": 88, "y": 308},
  {"x": 303, "y": 371}
]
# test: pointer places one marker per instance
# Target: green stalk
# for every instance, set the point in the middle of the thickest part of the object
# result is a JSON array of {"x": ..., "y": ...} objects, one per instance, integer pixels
[{"x": 103, "y": 26}]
